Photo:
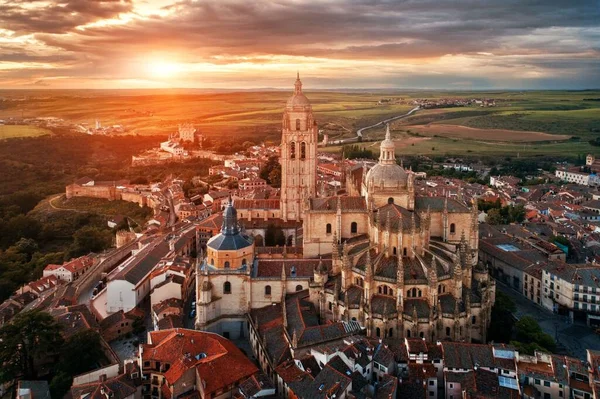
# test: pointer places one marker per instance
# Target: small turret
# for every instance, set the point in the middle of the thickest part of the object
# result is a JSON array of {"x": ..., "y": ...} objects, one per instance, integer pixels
[{"x": 320, "y": 274}]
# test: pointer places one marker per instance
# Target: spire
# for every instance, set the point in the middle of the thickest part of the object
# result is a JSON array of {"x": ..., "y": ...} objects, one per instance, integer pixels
[
  {"x": 415, "y": 317},
  {"x": 230, "y": 225},
  {"x": 387, "y": 153},
  {"x": 457, "y": 267},
  {"x": 298, "y": 84},
  {"x": 400, "y": 271},
  {"x": 433, "y": 271},
  {"x": 368, "y": 266}
]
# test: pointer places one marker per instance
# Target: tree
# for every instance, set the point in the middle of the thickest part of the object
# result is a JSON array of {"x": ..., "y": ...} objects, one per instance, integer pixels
[
  {"x": 275, "y": 177},
  {"x": 271, "y": 165},
  {"x": 60, "y": 384},
  {"x": 90, "y": 239},
  {"x": 86, "y": 345},
  {"x": 274, "y": 236},
  {"x": 494, "y": 217},
  {"x": 138, "y": 325},
  {"x": 31, "y": 337},
  {"x": 502, "y": 320},
  {"x": 530, "y": 334}
]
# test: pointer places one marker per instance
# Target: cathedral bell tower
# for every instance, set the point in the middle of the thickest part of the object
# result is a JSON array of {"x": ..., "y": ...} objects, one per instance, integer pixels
[{"x": 299, "y": 138}]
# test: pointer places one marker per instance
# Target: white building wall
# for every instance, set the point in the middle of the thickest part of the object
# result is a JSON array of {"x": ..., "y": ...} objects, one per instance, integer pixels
[{"x": 121, "y": 295}]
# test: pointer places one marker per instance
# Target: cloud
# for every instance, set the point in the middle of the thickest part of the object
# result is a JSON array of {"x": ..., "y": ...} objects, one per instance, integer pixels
[
  {"x": 389, "y": 37},
  {"x": 33, "y": 16}
]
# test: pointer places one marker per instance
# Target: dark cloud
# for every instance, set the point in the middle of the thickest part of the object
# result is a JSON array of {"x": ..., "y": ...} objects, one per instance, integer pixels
[
  {"x": 546, "y": 34},
  {"x": 33, "y": 16}
]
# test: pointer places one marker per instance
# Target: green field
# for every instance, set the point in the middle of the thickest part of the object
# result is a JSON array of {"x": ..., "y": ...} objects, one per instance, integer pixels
[
  {"x": 256, "y": 115},
  {"x": 14, "y": 131}
]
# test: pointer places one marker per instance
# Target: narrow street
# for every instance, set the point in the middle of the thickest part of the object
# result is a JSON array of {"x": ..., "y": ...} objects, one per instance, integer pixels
[{"x": 572, "y": 338}]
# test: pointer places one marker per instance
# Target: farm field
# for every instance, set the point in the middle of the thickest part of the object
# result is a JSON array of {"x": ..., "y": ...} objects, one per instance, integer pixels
[
  {"x": 539, "y": 118},
  {"x": 15, "y": 131},
  {"x": 470, "y": 133},
  {"x": 440, "y": 146}
]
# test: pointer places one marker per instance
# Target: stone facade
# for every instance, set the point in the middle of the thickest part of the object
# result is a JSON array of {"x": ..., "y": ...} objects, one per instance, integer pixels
[
  {"x": 401, "y": 265},
  {"x": 298, "y": 154}
]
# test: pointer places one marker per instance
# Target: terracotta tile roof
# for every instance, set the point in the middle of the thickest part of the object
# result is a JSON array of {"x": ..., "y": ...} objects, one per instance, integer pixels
[
  {"x": 289, "y": 373},
  {"x": 119, "y": 387},
  {"x": 303, "y": 267},
  {"x": 167, "y": 303},
  {"x": 386, "y": 388},
  {"x": 43, "y": 284},
  {"x": 416, "y": 345},
  {"x": 467, "y": 355},
  {"x": 397, "y": 214},
  {"x": 169, "y": 322},
  {"x": 74, "y": 265},
  {"x": 218, "y": 362},
  {"x": 271, "y": 204},
  {"x": 75, "y": 319},
  {"x": 255, "y": 384},
  {"x": 436, "y": 204}
]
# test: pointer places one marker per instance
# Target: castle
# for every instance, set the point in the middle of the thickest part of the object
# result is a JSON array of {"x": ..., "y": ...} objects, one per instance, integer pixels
[{"x": 398, "y": 264}]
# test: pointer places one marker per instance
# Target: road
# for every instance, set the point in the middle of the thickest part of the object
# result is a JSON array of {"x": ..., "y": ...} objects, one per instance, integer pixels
[
  {"x": 359, "y": 132},
  {"x": 572, "y": 338}
]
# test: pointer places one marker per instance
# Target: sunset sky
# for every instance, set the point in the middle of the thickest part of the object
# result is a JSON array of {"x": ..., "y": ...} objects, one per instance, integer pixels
[{"x": 549, "y": 44}]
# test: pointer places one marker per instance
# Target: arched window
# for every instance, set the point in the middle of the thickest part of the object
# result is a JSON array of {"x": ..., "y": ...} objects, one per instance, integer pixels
[
  {"x": 297, "y": 124},
  {"x": 293, "y": 150},
  {"x": 419, "y": 294},
  {"x": 227, "y": 264},
  {"x": 354, "y": 319},
  {"x": 293, "y": 271},
  {"x": 378, "y": 332},
  {"x": 226, "y": 287},
  {"x": 391, "y": 292},
  {"x": 391, "y": 333},
  {"x": 353, "y": 227},
  {"x": 407, "y": 333},
  {"x": 474, "y": 320},
  {"x": 421, "y": 334},
  {"x": 379, "y": 288},
  {"x": 452, "y": 228},
  {"x": 303, "y": 150},
  {"x": 413, "y": 293},
  {"x": 268, "y": 290},
  {"x": 244, "y": 262},
  {"x": 298, "y": 287},
  {"x": 394, "y": 251},
  {"x": 385, "y": 290},
  {"x": 404, "y": 252},
  {"x": 212, "y": 261},
  {"x": 439, "y": 289},
  {"x": 447, "y": 331},
  {"x": 391, "y": 200},
  {"x": 328, "y": 228}
]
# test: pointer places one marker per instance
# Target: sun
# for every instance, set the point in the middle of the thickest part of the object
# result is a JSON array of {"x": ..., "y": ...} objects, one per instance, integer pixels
[{"x": 163, "y": 69}]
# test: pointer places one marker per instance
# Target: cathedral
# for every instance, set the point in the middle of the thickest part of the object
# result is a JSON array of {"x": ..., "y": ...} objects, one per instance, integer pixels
[{"x": 399, "y": 264}]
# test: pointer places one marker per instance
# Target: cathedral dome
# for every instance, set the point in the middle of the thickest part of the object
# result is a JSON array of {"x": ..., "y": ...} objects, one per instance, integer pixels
[
  {"x": 387, "y": 176},
  {"x": 230, "y": 238},
  {"x": 387, "y": 173},
  {"x": 298, "y": 99}
]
